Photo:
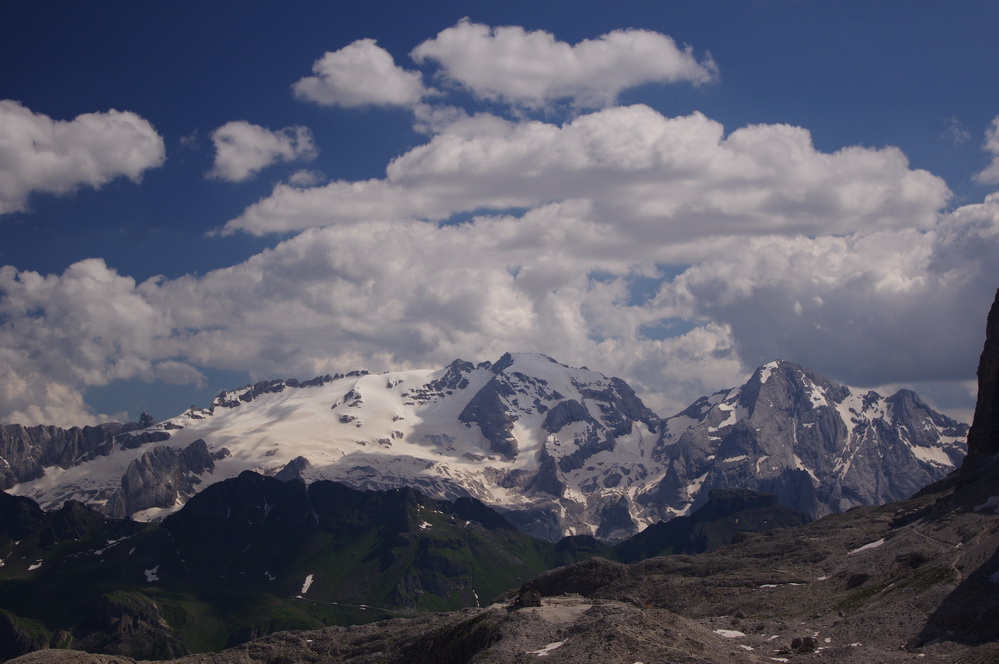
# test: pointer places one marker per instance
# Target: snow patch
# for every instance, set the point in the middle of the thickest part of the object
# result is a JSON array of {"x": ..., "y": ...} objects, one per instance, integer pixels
[
  {"x": 425, "y": 525},
  {"x": 543, "y": 652},
  {"x": 695, "y": 486},
  {"x": 872, "y": 545},
  {"x": 989, "y": 504},
  {"x": 932, "y": 455},
  {"x": 729, "y": 633},
  {"x": 306, "y": 585},
  {"x": 35, "y": 566},
  {"x": 767, "y": 370},
  {"x": 151, "y": 574}
]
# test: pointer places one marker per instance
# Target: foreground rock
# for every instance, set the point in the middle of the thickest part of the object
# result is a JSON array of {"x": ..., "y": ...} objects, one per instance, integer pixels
[{"x": 914, "y": 581}]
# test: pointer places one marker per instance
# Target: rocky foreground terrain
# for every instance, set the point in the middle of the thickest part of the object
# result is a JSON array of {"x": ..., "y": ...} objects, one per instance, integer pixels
[
  {"x": 910, "y": 582},
  {"x": 913, "y": 581}
]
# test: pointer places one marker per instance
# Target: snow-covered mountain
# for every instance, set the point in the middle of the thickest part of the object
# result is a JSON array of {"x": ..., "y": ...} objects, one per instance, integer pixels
[{"x": 559, "y": 450}]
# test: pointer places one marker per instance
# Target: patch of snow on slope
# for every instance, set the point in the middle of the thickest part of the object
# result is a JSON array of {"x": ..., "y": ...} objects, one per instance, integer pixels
[
  {"x": 934, "y": 455},
  {"x": 849, "y": 410},
  {"x": 306, "y": 585},
  {"x": 543, "y": 652},
  {"x": 767, "y": 370},
  {"x": 800, "y": 465},
  {"x": 729, "y": 633},
  {"x": 867, "y": 547},
  {"x": 695, "y": 486},
  {"x": 732, "y": 409}
]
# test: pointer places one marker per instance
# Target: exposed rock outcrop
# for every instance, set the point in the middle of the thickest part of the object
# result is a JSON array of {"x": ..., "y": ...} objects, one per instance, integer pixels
[
  {"x": 161, "y": 477},
  {"x": 983, "y": 438},
  {"x": 25, "y": 452}
]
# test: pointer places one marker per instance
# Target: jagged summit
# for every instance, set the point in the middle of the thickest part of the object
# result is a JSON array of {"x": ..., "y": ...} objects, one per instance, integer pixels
[
  {"x": 983, "y": 438},
  {"x": 816, "y": 444},
  {"x": 559, "y": 450}
]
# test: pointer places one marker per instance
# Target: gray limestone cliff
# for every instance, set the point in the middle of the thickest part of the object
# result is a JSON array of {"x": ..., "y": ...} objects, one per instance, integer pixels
[
  {"x": 25, "y": 452},
  {"x": 983, "y": 438}
]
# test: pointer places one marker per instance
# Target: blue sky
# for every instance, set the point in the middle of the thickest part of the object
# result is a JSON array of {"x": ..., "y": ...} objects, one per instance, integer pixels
[{"x": 194, "y": 195}]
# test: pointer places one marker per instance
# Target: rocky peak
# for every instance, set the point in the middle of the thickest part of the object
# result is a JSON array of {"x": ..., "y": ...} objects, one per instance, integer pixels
[{"x": 983, "y": 438}]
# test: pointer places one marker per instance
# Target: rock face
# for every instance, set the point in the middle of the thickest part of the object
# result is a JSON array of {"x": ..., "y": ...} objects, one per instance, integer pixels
[
  {"x": 983, "y": 438},
  {"x": 161, "y": 477},
  {"x": 815, "y": 444},
  {"x": 26, "y": 452}
]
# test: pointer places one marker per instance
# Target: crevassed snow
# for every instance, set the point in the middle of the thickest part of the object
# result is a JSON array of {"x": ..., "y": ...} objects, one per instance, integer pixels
[{"x": 866, "y": 547}]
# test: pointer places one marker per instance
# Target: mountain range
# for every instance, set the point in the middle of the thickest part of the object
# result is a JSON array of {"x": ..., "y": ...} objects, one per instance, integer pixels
[
  {"x": 559, "y": 451},
  {"x": 908, "y": 581}
]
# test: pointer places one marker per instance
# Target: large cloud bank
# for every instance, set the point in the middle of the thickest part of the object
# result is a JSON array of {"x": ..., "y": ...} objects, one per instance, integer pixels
[
  {"x": 671, "y": 251},
  {"x": 883, "y": 306}
]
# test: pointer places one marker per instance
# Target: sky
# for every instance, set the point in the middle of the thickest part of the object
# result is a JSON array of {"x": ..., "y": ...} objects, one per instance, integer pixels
[{"x": 198, "y": 195}]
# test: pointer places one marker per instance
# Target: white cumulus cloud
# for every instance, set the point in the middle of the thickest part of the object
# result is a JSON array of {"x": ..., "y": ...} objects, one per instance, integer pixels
[
  {"x": 665, "y": 179},
  {"x": 532, "y": 68},
  {"x": 361, "y": 74},
  {"x": 39, "y": 154},
  {"x": 243, "y": 149}
]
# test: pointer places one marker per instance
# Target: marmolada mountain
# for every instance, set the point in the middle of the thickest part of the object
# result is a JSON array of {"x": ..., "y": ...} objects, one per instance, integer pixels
[{"x": 507, "y": 511}]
